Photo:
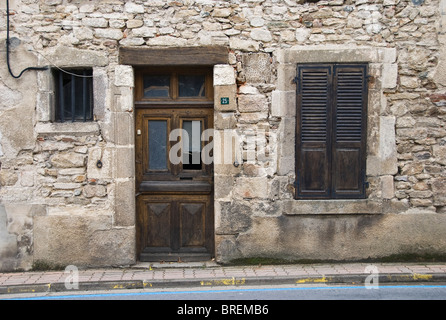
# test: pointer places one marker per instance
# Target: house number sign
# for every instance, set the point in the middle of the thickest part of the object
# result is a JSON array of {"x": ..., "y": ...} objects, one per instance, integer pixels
[{"x": 224, "y": 100}]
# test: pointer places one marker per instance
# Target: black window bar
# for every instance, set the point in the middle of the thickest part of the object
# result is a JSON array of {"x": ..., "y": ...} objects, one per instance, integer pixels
[{"x": 74, "y": 95}]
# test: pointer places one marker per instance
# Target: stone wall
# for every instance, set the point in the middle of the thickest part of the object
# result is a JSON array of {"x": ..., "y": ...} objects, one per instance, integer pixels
[{"x": 57, "y": 206}]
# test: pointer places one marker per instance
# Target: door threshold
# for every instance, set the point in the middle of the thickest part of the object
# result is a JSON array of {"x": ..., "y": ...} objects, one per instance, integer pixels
[
  {"x": 174, "y": 257},
  {"x": 164, "y": 265}
]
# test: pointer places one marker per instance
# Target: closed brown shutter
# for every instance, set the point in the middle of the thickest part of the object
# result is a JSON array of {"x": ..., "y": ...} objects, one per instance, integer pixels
[
  {"x": 330, "y": 131},
  {"x": 313, "y": 131},
  {"x": 349, "y": 136}
]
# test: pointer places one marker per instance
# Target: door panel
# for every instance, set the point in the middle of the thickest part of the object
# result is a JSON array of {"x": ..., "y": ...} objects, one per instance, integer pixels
[
  {"x": 192, "y": 219},
  {"x": 158, "y": 215},
  {"x": 174, "y": 200},
  {"x": 181, "y": 228}
]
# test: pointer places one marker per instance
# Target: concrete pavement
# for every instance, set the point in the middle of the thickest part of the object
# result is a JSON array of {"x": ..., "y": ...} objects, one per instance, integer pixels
[{"x": 206, "y": 274}]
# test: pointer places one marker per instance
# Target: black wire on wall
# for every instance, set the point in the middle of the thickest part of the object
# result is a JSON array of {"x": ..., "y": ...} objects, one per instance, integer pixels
[{"x": 7, "y": 50}]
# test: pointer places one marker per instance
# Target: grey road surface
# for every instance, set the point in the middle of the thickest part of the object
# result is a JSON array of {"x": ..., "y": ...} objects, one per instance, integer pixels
[{"x": 302, "y": 292}]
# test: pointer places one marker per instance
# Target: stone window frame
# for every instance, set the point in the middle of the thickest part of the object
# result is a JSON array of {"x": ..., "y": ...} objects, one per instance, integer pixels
[
  {"x": 68, "y": 58},
  {"x": 381, "y": 154}
]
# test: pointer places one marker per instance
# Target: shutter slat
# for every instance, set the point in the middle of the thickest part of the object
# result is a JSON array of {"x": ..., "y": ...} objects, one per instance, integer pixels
[
  {"x": 349, "y": 102},
  {"x": 314, "y": 93}
]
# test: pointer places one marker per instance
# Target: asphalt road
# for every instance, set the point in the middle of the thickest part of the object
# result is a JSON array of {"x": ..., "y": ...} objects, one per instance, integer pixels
[{"x": 300, "y": 292}]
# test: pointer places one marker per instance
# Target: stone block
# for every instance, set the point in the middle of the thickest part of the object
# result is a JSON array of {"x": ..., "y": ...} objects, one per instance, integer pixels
[
  {"x": 131, "y": 7},
  {"x": 224, "y": 75},
  {"x": 68, "y": 128},
  {"x": 113, "y": 34},
  {"x": 100, "y": 92},
  {"x": 257, "y": 67},
  {"x": 68, "y": 160},
  {"x": 66, "y": 186},
  {"x": 251, "y": 188},
  {"x": 105, "y": 169},
  {"x": 224, "y": 120},
  {"x": 221, "y": 12},
  {"x": 226, "y": 248},
  {"x": 261, "y": 34},
  {"x": 285, "y": 165},
  {"x": 302, "y": 34},
  {"x": 389, "y": 75},
  {"x": 134, "y": 23},
  {"x": 95, "y": 22},
  {"x": 439, "y": 191},
  {"x": 283, "y": 103},
  {"x": 27, "y": 178},
  {"x": 8, "y": 177},
  {"x": 285, "y": 77},
  {"x": 64, "y": 56},
  {"x": 123, "y": 128},
  {"x": 243, "y": 45},
  {"x": 168, "y": 41},
  {"x": 439, "y": 152},
  {"x": 124, "y": 162},
  {"x": 124, "y": 76},
  {"x": 223, "y": 92},
  {"x": 94, "y": 190},
  {"x": 286, "y": 137},
  {"x": 232, "y": 216},
  {"x": 223, "y": 186},
  {"x": 387, "y": 187},
  {"x": 124, "y": 203},
  {"x": 252, "y": 103},
  {"x": 144, "y": 32},
  {"x": 44, "y": 101},
  {"x": 387, "y": 145}
]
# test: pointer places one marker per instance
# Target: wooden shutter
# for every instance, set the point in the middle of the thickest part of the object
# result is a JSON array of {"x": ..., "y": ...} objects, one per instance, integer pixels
[
  {"x": 349, "y": 134},
  {"x": 330, "y": 131},
  {"x": 313, "y": 132}
]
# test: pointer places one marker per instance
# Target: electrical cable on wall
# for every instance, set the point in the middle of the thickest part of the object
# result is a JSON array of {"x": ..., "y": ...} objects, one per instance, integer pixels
[
  {"x": 7, "y": 50},
  {"x": 30, "y": 68}
]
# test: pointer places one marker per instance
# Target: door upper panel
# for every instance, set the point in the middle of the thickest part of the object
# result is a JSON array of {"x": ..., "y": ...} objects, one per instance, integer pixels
[{"x": 167, "y": 86}]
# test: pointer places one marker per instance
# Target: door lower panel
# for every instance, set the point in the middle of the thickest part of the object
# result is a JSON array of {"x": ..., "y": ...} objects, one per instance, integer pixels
[{"x": 175, "y": 227}]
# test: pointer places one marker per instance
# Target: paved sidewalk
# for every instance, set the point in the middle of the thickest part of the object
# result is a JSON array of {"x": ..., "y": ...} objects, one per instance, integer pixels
[{"x": 169, "y": 275}]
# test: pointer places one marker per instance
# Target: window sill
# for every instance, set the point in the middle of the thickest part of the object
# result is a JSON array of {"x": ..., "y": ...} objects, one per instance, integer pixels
[
  {"x": 333, "y": 207},
  {"x": 69, "y": 128}
]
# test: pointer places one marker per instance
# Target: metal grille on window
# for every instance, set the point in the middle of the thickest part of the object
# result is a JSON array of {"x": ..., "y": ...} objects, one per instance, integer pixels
[{"x": 74, "y": 95}]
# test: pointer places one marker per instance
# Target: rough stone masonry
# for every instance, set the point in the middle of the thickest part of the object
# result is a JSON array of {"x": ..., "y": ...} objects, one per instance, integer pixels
[{"x": 57, "y": 206}]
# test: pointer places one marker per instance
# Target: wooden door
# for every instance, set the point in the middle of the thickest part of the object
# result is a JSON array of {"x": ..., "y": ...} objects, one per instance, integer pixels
[{"x": 174, "y": 180}]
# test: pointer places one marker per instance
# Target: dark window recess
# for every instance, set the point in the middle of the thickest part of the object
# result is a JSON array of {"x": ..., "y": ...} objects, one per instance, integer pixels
[
  {"x": 74, "y": 95},
  {"x": 191, "y": 85},
  {"x": 331, "y": 131},
  {"x": 156, "y": 86}
]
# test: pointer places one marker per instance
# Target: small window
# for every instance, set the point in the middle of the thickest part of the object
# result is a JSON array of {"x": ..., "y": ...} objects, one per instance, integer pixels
[
  {"x": 157, "y": 144},
  {"x": 74, "y": 95},
  {"x": 191, "y": 85},
  {"x": 156, "y": 86},
  {"x": 173, "y": 85}
]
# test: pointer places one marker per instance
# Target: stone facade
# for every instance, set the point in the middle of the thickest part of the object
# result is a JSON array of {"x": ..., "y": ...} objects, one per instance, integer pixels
[{"x": 57, "y": 206}]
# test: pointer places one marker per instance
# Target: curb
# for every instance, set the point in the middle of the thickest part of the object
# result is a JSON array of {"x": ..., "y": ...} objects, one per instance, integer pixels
[{"x": 350, "y": 279}]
